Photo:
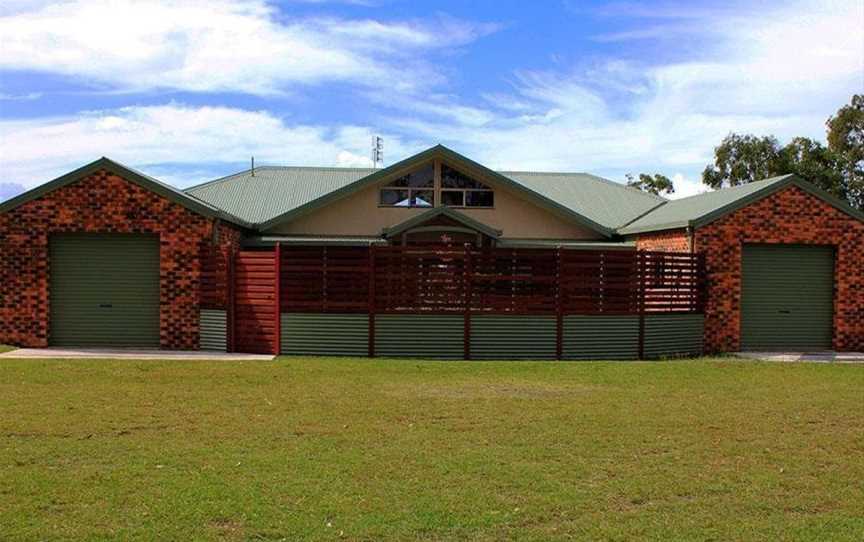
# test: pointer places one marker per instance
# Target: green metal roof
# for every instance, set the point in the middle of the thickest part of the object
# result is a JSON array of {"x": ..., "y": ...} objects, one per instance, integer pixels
[
  {"x": 145, "y": 181},
  {"x": 273, "y": 191},
  {"x": 702, "y": 209},
  {"x": 278, "y": 194}
]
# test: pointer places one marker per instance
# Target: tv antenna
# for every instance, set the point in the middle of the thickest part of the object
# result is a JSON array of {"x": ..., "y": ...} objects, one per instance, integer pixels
[{"x": 377, "y": 151}]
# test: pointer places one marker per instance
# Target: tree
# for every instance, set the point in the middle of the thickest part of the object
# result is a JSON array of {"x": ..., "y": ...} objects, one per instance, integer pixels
[
  {"x": 814, "y": 162},
  {"x": 837, "y": 168},
  {"x": 654, "y": 184},
  {"x": 741, "y": 159},
  {"x": 846, "y": 140}
]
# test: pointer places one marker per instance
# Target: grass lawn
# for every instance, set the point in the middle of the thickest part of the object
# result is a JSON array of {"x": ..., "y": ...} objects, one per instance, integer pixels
[
  {"x": 403, "y": 450},
  {"x": 6, "y": 348}
]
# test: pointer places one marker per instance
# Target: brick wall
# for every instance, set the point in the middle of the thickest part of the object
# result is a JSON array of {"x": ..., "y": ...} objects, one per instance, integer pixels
[
  {"x": 667, "y": 241},
  {"x": 790, "y": 216},
  {"x": 102, "y": 203}
]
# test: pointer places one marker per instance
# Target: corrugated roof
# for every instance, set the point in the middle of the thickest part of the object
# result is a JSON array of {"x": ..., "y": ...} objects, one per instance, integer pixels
[
  {"x": 685, "y": 212},
  {"x": 601, "y": 200},
  {"x": 274, "y": 191}
]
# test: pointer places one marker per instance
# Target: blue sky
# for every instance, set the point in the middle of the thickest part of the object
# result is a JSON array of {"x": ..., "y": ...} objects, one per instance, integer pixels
[{"x": 188, "y": 91}]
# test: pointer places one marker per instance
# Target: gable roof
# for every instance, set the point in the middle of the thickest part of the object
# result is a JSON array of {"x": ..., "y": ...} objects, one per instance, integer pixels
[
  {"x": 702, "y": 209},
  {"x": 422, "y": 218},
  {"x": 136, "y": 177},
  {"x": 278, "y": 194}
]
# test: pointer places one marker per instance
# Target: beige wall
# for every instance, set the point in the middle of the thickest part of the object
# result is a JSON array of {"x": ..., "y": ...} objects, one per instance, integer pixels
[{"x": 359, "y": 214}]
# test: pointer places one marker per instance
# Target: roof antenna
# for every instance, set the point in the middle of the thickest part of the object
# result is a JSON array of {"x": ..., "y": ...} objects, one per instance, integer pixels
[
  {"x": 253, "y": 166},
  {"x": 377, "y": 151}
]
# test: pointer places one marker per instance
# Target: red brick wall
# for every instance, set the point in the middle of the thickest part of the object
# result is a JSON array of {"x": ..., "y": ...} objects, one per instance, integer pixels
[
  {"x": 667, "y": 241},
  {"x": 102, "y": 203}
]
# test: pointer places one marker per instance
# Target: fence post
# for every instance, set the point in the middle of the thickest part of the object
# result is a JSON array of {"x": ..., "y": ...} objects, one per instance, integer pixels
[
  {"x": 559, "y": 308},
  {"x": 370, "y": 304},
  {"x": 231, "y": 296},
  {"x": 277, "y": 267},
  {"x": 468, "y": 295},
  {"x": 640, "y": 303}
]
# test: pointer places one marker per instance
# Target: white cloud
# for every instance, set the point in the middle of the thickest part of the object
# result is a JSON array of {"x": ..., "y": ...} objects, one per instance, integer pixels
[
  {"x": 220, "y": 45},
  {"x": 783, "y": 73},
  {"x": 686, "y": 187},
  {"x": 165, "y": 138}
]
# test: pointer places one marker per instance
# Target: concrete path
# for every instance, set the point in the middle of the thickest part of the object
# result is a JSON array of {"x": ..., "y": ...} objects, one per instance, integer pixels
[
  {"x": 812, "y": 357},
  {"x": 130, "y": 353}
]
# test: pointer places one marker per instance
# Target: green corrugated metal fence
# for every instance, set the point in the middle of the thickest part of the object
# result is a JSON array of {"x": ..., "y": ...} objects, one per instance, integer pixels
[
  {"x": 419, "y": 335},
  {"x": 214, "y": 330},
  {"x": 670, "y": 335},
  {"x": 325, "y": 334},
  {"x": 492, "y": 337},
  {"x": 600, "y": 337},
  {"x": 513, "y": 337}
]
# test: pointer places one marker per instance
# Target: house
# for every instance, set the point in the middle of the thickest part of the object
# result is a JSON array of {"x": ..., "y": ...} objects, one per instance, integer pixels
[{"x": 106, "y": 255}]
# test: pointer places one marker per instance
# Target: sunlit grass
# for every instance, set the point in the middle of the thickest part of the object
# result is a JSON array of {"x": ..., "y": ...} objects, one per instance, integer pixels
[{"x": 394, "y": 449}]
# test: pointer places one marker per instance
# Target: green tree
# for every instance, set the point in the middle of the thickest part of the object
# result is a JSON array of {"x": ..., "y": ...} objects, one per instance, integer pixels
[
  {"x": 741, "y": 159},
  {"x": 655, "y": 184},
  {"x": 837, "y": 168},
  {"x": 813, "y": 161},
  {"x": 846, "y": 140}
]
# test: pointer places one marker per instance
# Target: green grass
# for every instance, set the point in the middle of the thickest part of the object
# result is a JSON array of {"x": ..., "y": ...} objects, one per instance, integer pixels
[
  {"x": 404, "y": 450},
  {"x": 6, "y": 348}
]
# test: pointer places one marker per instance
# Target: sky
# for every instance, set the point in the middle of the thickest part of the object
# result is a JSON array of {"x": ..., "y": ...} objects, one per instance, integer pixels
[{"x": 188, "y": 91}]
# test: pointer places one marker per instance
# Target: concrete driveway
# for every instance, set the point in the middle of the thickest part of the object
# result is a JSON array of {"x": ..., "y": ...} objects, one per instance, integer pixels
[
  {"x": 812, "y": 357},
  {"x": 130, "y": 353}
]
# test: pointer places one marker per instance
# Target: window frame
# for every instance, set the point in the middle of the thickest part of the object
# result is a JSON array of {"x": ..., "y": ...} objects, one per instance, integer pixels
[{"x": 437, "y": 189}]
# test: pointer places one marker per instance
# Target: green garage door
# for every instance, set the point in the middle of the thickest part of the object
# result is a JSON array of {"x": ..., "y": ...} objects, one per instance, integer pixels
[
  {"x": 787, "y": 297},
  {"x": 104, "y": 290}
]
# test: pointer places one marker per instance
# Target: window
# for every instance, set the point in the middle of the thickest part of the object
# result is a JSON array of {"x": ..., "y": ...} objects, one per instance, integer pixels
[
  {"x": 460, "y": 190},
  {"x": 416, "y": 189}
]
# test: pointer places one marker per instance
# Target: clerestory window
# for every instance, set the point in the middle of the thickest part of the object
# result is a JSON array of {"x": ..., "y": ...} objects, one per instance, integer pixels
[
  {"x": 421, "y": 188},
  {"x": 416, "y": 189},
  {"x": 460, "y": 190}
]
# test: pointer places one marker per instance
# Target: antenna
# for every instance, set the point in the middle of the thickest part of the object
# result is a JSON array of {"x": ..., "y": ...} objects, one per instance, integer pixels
[
  {"x": 377, "y": 151},
  {"x": 253, "y": 166}
]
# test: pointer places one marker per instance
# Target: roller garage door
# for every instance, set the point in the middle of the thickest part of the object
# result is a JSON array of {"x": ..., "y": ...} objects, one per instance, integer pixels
[
  {"x": 104, "y": 290},
  {"x": 787, "y": 297}
]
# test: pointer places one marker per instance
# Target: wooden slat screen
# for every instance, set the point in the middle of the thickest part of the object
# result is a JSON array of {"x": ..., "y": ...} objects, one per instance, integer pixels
[{"x": 488, "y": 281}]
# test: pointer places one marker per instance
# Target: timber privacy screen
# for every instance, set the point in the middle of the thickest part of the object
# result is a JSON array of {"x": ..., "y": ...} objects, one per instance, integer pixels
[{"x": 466, "y": 303}]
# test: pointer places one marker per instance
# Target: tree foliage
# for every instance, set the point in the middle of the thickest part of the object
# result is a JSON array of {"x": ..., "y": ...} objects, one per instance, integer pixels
[
  {"x": 655, "y": 184},
  {"x": 837, "y": 168},
  {"x": 741, "y": 159}
]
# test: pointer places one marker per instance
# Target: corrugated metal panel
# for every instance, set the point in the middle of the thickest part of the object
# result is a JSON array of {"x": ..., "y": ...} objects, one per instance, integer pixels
[
  {"x": 214, "y": 330},
  {"x": 104, "y": 290},
  {"x": 325, "y": 334},
  {"x": 601, "y": 200},
  {"x": 679, "y": 212},
  {"x": 673, "y": 335},
  {"x": 787, "y": 297},
  {"x": 419, "y": 335},
  {"x": 273, "y": 191},
  {"x": 513, "y": 337},
  {"x": 600, "y": 337}
]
